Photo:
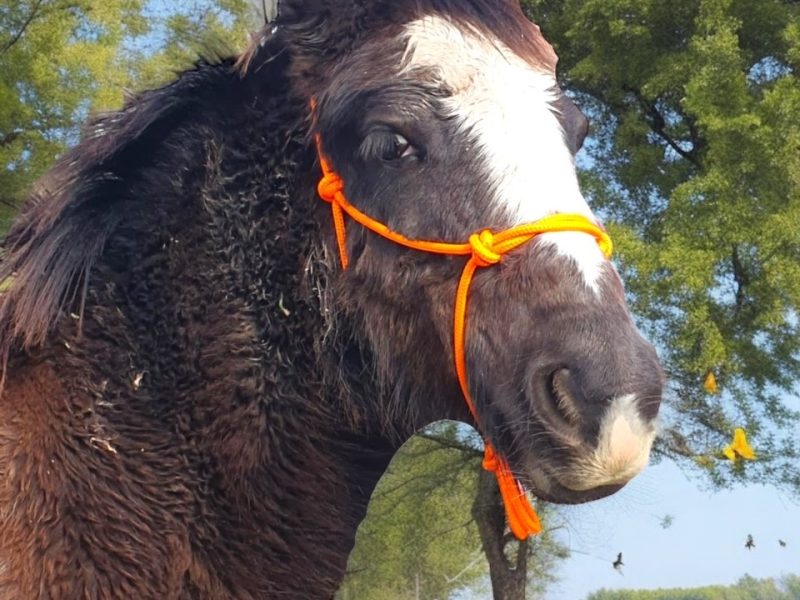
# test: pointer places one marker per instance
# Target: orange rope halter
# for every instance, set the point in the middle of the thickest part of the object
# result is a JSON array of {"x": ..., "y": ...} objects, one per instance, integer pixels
[{"x": 484, "y": 250}]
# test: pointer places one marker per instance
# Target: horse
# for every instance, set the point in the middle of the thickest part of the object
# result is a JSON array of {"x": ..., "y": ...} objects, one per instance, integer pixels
[{"x": 198, "y": 399}]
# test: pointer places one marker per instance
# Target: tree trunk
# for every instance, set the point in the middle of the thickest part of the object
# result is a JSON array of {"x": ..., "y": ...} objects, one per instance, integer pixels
[{"x": 508, "y": 557}]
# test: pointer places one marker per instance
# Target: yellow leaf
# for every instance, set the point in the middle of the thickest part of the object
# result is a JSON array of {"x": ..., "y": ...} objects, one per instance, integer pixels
[
  {"x": 739, "y": 448},
  {"x": 710, "y": 384}
]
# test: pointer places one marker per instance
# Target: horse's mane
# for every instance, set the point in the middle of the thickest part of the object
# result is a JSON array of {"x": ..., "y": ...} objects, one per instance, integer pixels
[{"x": 64, "y": 224}]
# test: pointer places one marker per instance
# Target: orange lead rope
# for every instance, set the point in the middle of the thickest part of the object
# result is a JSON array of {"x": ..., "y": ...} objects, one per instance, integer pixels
[{"x": 484, "y": 250}]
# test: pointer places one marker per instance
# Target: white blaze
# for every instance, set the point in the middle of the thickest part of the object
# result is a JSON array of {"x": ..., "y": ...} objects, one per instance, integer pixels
[{"x": 506, "y": 105}]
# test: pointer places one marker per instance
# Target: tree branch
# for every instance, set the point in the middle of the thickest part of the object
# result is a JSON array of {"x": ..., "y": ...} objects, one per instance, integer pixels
[
  {"x": 450, "y": 443},
  {"x": 508, "y": 580},
  {"x": 10, "y": 138},
  {"x": 9, "y": 203},
  {"x": 435, "y": 480},
  {"x": 740, "y": 276},
  {"x": 659, "y": 126},
  {"x": 16, "y": 37}
]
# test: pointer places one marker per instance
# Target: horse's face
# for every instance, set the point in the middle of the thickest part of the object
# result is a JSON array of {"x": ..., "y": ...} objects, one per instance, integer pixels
[{"x": 448, "y": 121}]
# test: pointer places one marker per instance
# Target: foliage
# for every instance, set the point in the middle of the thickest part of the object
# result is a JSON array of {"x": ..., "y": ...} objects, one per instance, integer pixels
[
  {"x": 58, "y": 60},
  {"x": 419, "y": 530},
  {"x": 182, "y": 33},
  {"x": 747, "y": 588},
  {"x": 427, "y": 486},
  {"x": 695, "y": 159}
]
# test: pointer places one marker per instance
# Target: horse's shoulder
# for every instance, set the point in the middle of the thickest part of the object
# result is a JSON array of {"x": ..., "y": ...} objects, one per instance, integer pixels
[{"x": 67, "y": 475}]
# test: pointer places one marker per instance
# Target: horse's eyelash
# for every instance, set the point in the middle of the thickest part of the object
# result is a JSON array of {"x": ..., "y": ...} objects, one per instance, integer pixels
[{"x": 377, "y": 144}]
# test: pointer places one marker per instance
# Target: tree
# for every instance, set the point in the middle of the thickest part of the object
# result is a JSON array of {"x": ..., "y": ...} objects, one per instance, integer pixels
[
  {"x": 517, "y": 569},
  {"x": 182, "y": 32},
  {"x": 695, "y": 163},
  {"x": 747, "y": 588},
  {"x": 435, "y": 520},
  {"x": 58, "y": 61}
]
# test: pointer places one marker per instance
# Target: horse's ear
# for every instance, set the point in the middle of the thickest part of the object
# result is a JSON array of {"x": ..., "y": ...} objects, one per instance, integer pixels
[
  {"x": 319, "y": 32},
  {"x": 293, "y": 11},
  {"x": 323, "y": 27},
  {"x": 272, "y": 9}
]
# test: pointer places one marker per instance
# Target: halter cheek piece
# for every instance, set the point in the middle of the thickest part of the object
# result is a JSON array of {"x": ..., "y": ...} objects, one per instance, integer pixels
[{"x": 484, "y": 249}]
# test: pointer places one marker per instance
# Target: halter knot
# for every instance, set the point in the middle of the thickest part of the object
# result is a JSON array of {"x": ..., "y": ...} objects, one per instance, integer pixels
[
  {"x": 483, "y": 252},
  {"x": 329, "y": 186}
]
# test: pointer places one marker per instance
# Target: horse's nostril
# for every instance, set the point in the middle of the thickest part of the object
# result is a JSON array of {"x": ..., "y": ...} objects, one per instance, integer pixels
[{"x": 563, "y": 396}]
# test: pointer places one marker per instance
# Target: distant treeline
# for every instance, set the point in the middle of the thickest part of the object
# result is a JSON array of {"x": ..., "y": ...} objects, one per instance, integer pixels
[{"x": 747, "y": 588}]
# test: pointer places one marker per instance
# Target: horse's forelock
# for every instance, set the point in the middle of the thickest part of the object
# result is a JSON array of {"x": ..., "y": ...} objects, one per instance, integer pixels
[
  {"x": 503, "y": 21},
  {"x": 320, "y": 34}
]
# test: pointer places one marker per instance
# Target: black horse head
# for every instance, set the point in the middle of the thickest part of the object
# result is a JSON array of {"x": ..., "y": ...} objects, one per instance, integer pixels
[{"x": 444, "y": 118}]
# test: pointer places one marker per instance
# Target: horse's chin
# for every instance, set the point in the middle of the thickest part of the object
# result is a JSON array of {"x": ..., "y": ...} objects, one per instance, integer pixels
[
  {"x": 582, "y": 471},
  {"x": 575, "y": 456},
  {"x": 546, "y": 486}
]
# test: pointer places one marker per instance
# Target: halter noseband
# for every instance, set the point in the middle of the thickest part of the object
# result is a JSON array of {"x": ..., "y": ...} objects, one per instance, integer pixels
[{"x": 484, "y": 249}]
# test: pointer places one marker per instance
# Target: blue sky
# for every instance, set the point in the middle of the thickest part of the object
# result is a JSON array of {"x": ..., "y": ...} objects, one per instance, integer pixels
[{"x": 704, "y": 545}]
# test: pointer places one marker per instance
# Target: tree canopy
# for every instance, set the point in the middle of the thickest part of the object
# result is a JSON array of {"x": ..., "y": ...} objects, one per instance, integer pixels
[
  {"x": 695, "y": 163},
  {"x": 747, "y": 588},
  {"x": 420, "y": 538},
  {"x": 58, "y": 61}
]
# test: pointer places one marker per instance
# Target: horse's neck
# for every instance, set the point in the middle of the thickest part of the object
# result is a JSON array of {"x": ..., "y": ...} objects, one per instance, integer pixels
[
  {"x": 292, "y": 469},
  {"x": 292, "y": 497},
  {"x": 207, "y": 336}
]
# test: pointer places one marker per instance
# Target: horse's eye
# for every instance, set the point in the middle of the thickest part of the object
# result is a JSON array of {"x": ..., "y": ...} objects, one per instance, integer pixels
[
  {"x": 402, "y": 148},
  {"x": 387, "y": 146}
]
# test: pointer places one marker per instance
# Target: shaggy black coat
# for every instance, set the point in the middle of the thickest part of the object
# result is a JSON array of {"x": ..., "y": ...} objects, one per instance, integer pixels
[{"x": 180, "y": 416}]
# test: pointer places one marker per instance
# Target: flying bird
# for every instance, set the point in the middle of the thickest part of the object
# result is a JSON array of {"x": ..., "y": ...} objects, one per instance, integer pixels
[
  {"x": 749, "y": 544},
  {"x": 618, "y": 564},
  {"x": 782, "y": 543}
]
